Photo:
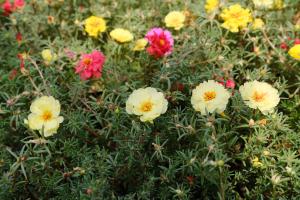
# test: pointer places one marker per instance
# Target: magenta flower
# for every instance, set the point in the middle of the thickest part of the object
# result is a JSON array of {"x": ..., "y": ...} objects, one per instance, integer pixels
[
  {"x": 90, "y": 65},
  {"x": 161, "y": 42},
  {"x": 230, "y": 84}
]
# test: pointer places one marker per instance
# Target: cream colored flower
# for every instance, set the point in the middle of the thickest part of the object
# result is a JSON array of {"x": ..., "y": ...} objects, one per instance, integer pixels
[
  {"x": 44, "y": 115},
  {"x": 48, "y": 56},
  {"x": 260, "y": 95},
  {"x": 121, "y": 35},
  {"x": 175, "y": 19},
  {"x": 140, "y": 44},
  {"x": 210, "y": 96},
  {"x": 147, "y": 103},
  {"x": 263, "y": 4}
]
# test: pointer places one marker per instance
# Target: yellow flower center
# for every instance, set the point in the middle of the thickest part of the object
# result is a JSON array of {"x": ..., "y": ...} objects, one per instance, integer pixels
[
  {"x": 47, "y": 115},
  {"x": 210, "y": 95},
  {"x": 87, "y": 61},
  {"x": 95, "y": 24},
  {"x": 258, "y": 97},
  {"x": 146, "y": 106},
  {"x": 236, "y": 15}
]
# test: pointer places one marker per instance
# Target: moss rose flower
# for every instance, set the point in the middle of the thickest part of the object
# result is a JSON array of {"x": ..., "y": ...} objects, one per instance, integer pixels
[
  {"x": 45, "y": 115},
  {"x": 210, "y": 96},
  {"x": 260, "y": 95},
  {"x": 161, "y": 42},
  {"x": 90, "y": 65},
  {"x": 147, "y": 103}
]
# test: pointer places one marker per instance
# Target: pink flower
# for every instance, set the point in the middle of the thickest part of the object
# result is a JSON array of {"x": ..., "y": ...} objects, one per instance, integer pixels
[
  {"x": 297, "y": 41},
  {"x": 90, "y": 65},
  {"x": 230, "y": 84},
  {"x": 7, "y": 8},
  {"x": 161, "y": 42},
  {"x": 18, "y": 4}
]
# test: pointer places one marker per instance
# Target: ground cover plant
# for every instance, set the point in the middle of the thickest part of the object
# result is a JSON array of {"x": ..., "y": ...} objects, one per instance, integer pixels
[{"x": 156, "y": 99}]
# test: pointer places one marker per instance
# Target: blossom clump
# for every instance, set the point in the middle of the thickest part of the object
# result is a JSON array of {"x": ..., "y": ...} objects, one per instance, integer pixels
[
  {"x": 211, "y": 6},
  {"x": 147, "y": 103},
  {"x": 210, "y": 96},
  {"x": 175, "y": 19},
  {"x": 161, "y": 42},
  {"x": 90, "y": 65},
  {"x": 121, "y": 35},
  {"x": 235, "y": 17},
  {"x": 94, "y": 26},
  {"x": 295, "y": 52},
  {"x": 260, "y": 95},
  {"x": 44, "y": 115}
]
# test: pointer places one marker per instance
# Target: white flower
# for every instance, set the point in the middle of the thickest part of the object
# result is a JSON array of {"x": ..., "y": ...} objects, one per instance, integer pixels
[
  {"x": 44, "y": 115},
  {"x": 210, "y": 96},
  {"x": 263, "y": 4},
  {"x": 260, "y": 95},
  {"x": 147, "y": 103}
]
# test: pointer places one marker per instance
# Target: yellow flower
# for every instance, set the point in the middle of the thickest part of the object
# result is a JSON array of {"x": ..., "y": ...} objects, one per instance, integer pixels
[
  {"x": 147, "y": 103},
  {"x": 295, "y": 51},
  {"x": 121, "y": 35},
  {"x": 210, "y": 96},
  {"x": 278, "y": 4},
  {"x": 48, "y": 56},
  {"x": 44, "y": 115},
  {"x": 256, "y": 163},
  {"x": 175, "y": 19},
  {"x": 260, "y": 95},
  {"x": 235, "y": 17},
  {"x": 211, "y": 5},
  {"x": 263, "y": 4},
  {"x": 140, "y": 44},
  {"x": 95, "y": 25},
  {"x": 258, "y": 24}
]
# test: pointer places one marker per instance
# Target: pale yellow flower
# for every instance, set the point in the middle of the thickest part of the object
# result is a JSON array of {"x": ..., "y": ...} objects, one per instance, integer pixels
[
  {"x": 175, "y": 19},
  {"x": 263, "y": 4},
  {"x": 235, "y": 17},
  {"x": 44, "y": 115},
  {"x": 260, "y": 95},
  {"x": 48, "y": 56},
  {"x": 210, "y": 96},
  {"x": 121, "y": 35},
  {"x": 257, "y": 24},
  {"x": 140, "y": 44},
  {"x": 211, "y": 5},
  {"x": 295, "y": 51},
  {"x": 95, "y": 25},
  {"x": 147, "y": 103}
]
